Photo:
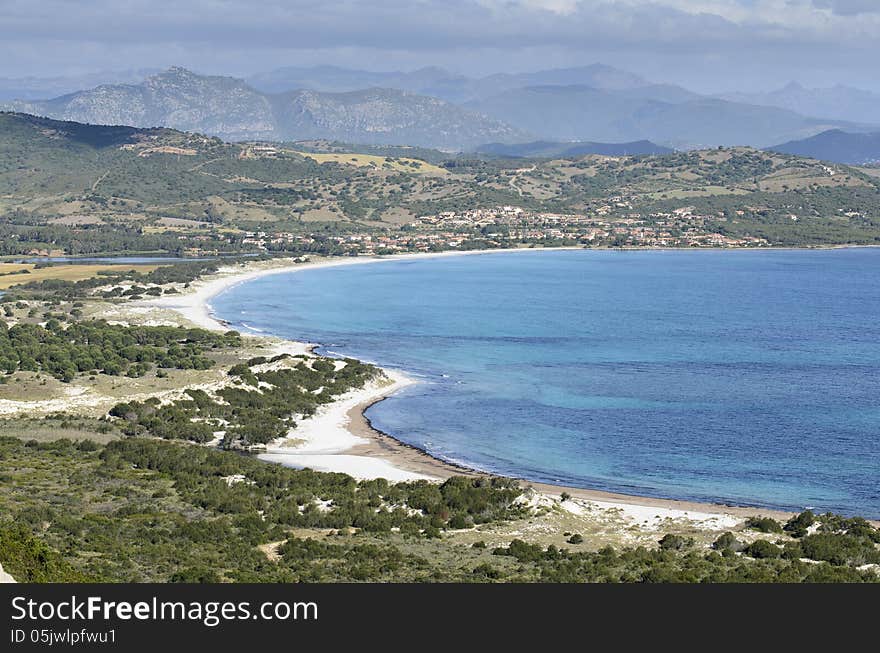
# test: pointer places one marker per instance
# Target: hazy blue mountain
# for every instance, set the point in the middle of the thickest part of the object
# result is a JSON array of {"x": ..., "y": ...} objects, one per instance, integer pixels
[
  {"x": 569, "y": 113},
  {"x": 459, "y": 88},
  {"x": 230, "y": 108},
  {"x": 220, "y": 106},
  {"x": 836, "y": 145},
  {"x": 838, "y": 102},
  {"x": 384, "y": 116},
  {"x": 432, "y": 107},
  {"x": 333, "y": 79},
  {"x": 32, "y": 88},
  {"x": 552, "y": 149}
]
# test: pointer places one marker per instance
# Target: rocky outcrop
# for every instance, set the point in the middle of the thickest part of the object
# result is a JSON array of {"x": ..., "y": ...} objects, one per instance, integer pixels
[{"x": 229, "y": 108}]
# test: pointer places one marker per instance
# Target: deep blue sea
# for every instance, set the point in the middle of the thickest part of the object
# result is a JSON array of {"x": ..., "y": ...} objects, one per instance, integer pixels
[{"x": 747, "y": 377}]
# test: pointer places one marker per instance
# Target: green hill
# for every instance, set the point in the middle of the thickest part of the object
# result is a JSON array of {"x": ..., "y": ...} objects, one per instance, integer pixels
[
  {"x": 836, "y": 145},
  {"x": 68, "y": 187}
]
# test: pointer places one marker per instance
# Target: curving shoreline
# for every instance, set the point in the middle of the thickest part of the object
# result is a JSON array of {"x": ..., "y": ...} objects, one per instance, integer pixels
[{"x": 349, "y": 442}]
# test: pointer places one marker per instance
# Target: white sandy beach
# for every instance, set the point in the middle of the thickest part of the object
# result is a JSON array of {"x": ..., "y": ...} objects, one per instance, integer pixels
[{"x": 322, "y": 441}]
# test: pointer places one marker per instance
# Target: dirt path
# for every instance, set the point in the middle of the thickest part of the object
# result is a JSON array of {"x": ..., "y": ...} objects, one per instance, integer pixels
[
  {"x": 100, "y": 179},
  {"x": 513, "y": 179}
]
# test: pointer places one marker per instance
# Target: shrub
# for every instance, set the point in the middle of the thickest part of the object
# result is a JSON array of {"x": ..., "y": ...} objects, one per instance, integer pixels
[
  {"x": 727, "y": 542},
  {"x": 762, "y": 549},
  {"x": 29, "y": 560},
  {"x": 194, "y": 575},
  {"x": 797, "y": 526},
  {"x": 487, "y": 570},
  {"x": 432, "y": 532},
  {"x": 671, "y": 542},
  {"x": 763, "y": 525}
]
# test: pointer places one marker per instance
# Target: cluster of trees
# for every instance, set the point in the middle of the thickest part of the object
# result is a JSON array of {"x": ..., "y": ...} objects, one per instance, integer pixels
[
  {"x": 96, "y": 346},
  {"x": 258, "y": 408},
  {"x": 96, "y": 239}
]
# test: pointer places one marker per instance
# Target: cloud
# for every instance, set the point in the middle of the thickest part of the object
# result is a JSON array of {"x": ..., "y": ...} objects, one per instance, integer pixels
[
  {"x": 423, "y": 24},
  {"x": 238, "y": 35},
  {"x": 849, "y": 7}
]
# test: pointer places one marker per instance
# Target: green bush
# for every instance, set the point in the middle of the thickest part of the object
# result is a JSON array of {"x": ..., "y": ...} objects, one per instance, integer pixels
[
  {"x": 762, "y": 549},
  {"x": 29, "y": 560},
  {"x": 797, "y": 526},
  {"x": 840, "y": 549},
  {"x": 727, "y": 542},
  {"x": 763, "y": 525},
  {"x": 672, "y": 542}
]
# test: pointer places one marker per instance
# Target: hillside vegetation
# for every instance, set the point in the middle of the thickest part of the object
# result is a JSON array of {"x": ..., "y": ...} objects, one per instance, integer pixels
[
  {"x": 139, "y": 510},
  {"x": 80, "y": 189}
]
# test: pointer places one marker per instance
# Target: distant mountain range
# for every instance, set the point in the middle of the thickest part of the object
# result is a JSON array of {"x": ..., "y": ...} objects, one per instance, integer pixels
[
  {"x": 551, "y": 149},
  {"x": 230, "y": 108},
  {"x": 835, "y": 145},
  {"x": 585, "y": 113},
  {"x": 434, "y": 108},
  {"x": 837, "y": 102},
  {"x": 439, "y": 82},
  {"x": 34, "y": 88}
]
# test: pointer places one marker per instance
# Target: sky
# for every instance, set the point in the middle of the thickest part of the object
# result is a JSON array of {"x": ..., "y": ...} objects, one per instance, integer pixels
[{"x": 706, "y": 45}]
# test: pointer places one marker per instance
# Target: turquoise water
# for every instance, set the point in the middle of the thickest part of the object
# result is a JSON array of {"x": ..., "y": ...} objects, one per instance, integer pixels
[{"x": 745, "y": 377}]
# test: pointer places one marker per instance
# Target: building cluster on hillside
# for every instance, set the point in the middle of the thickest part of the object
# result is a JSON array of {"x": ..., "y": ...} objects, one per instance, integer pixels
[
  {"x": 607, "y": 224},
  {"x": 509, "y": 226}
]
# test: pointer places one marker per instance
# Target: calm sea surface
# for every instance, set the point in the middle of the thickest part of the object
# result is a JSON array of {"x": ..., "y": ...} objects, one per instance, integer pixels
[{"x": 741, "y": 376}]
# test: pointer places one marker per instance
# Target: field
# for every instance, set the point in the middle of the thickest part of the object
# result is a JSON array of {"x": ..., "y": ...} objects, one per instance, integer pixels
[{"x": 371, "y": 160}]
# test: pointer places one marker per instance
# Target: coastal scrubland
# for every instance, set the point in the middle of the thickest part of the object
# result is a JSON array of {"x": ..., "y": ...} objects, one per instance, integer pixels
[
  {"x": 138, "y": 509},
  {"x": 256, "y": 408}
]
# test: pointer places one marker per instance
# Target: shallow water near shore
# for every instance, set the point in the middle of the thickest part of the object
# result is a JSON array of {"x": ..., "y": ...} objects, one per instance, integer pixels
[{"x": 747, "y": 377}]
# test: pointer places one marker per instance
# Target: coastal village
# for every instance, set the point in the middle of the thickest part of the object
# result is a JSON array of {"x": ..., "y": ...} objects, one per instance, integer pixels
[{"x": 512, "y": 226}]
